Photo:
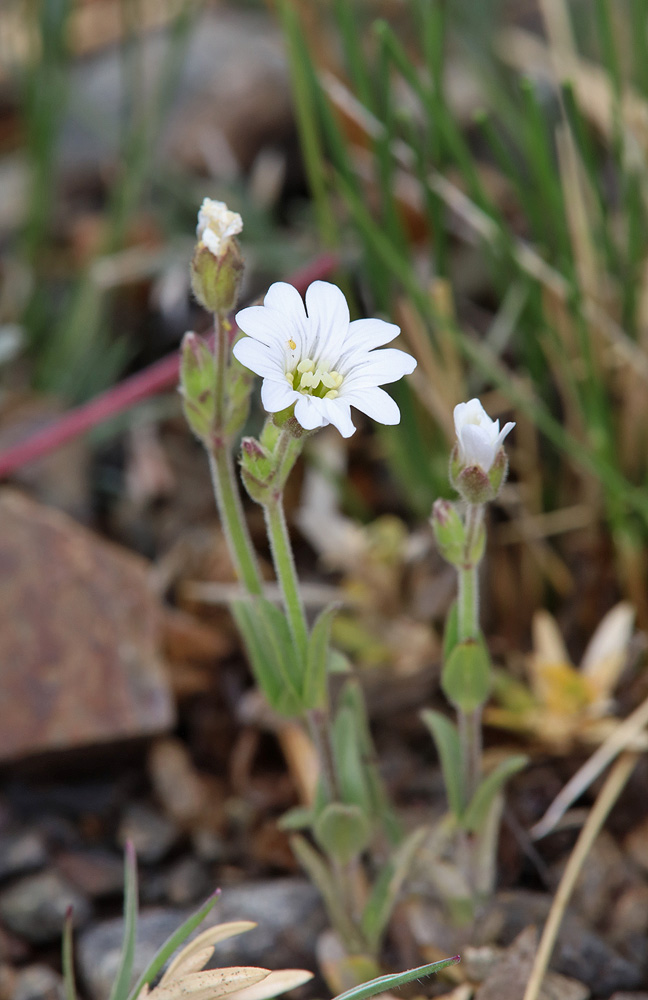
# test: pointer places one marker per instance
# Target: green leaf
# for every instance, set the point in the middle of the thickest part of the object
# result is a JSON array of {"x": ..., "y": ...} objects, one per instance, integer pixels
[
  {"x": 475, "y": 815},
  {"x": 298, "y": 818},
  {"x": 466, "y": 676},
  {"x": 349, "y": 762},
  {"x": 446, "y": 739},
  {"x": 384, "y": 894},
  {"x": 68, "y": 958},
  {"x": 123, "y": 978},
  {"x": 268, "y": 644},
  {"x": 379, "y": 805},
  {"x": 317, "y": 658},
  {"x": 451, "y": 631},
  {"x": 387, "y": 983},
  {"x": 322, "y": 877},
  {"x": 172, "y": 943},
  {"x": 342, "y": 831}
]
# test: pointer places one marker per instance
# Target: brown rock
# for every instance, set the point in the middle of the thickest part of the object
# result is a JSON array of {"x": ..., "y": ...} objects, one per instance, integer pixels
[
  {"x": 508, "y": 979},
  {"x": 78, "y": 641}
]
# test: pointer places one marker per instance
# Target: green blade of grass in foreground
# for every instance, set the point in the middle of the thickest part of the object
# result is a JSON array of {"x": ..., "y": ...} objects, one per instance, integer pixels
[
  {"x": 172, "y": 943},
  {"x": 392, "y": 982},
  {"x": 123, "y": 978}
]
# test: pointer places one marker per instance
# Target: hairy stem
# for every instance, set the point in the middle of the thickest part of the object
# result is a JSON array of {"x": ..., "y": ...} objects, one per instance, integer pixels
[
  {"x": 470, "y": 728},
  {"x": 221, "y": 466}
]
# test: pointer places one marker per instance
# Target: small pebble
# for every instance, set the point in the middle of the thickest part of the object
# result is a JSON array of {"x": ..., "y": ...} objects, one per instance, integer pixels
[{"x": 35, "y": 907}]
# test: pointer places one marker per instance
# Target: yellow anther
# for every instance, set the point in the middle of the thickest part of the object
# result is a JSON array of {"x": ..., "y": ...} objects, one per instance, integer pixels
[
  {"x": 306, "y": 366},
  {"x": 292, "y": 345},
  {"x": 328, "y": 380},
  {"x": 291, "y": 377},
  {"x": 339, "y": 379},
  {"x": 331, "y": 394}
]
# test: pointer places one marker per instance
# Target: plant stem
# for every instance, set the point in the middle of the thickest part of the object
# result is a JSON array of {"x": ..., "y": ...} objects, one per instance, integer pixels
[
  {"x": 221, "y": 466},
  {"x": 284, "y": 564},
  {"x": 232, "y": 519},
  {"x": 470, "y": 729}
]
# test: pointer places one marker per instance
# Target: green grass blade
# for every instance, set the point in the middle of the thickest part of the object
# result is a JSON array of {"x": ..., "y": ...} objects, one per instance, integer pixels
[
  {"x": 386, "y": 983},
  {"x": 172, "y": 943},
  {"x": 122, "y": 981},
  {"x": 69, "y": 985}
]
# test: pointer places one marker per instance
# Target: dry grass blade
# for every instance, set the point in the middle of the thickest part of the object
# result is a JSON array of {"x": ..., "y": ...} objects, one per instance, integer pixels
[
  {"x": 277, "y": 982},
  {"x": 203, "y": 945},
  {"x": 608, "y": 795},
  {"x": 210, "y": 984},
  {"x": 623, "y": 737}
]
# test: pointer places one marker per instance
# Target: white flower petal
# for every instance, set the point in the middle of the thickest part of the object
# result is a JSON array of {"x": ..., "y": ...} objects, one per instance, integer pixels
[
  {"x": 263, "y": 324},
  {"x": 477, "y": 447},
  {"x": 258, "y": 358},
  {"x": 376, "y": 403},
  {"x": 379, "y": 367},
  {"x": 366, "y": 334},
  {"x": 338, "y": 413},
  {"x": 288, "y": 313},
  {"x": 308, "y": 413},
  {"x": 471, "y": 412},
  {"x": 277, "y": 395},
  {"x": 328, "y": 321},
  {"x": 506, "y": 429}
]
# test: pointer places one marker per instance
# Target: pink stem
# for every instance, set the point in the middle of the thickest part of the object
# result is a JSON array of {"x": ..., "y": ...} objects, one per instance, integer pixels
[{"x": 161, "y": 375}]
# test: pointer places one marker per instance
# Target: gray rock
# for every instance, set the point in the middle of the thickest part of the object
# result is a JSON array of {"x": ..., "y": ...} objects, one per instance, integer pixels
[
  {"x": 289, "y": 916},
  {"x": 35, "y": 907},
  {"x": 38, "y": 982},
  {"x": 20, "y": 853},
  {"x": 95, "y": 872},
  {"x": 152, "y": 834},
  {"x": 187, "y": 882}
]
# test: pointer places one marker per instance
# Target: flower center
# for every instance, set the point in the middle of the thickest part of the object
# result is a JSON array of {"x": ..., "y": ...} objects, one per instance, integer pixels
[{"x": 315, "y": 381}]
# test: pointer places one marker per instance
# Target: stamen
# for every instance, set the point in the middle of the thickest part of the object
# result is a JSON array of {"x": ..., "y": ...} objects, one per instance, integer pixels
[
  {"x": 306, "y": 366},
  {"x": 331, "y": 394}
]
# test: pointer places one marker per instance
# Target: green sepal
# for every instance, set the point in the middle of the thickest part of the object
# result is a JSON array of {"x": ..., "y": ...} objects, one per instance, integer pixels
[
  {"x": 466, "y": 678},
  {"x": 342, "y": 831},
  {"x": 446, "y": 739},
  {"x": 477, "y": 810},
  {"x": 269, "y": 646}
]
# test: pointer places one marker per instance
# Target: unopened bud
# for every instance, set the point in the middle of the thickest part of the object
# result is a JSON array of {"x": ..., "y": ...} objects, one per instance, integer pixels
[
  {"x": 215, "y": 278},
  {"x": 475, "y": 485},
  {"x": 449, "y": 531},
  {"x": 197, "y": 385},
  {"x": 258, "y": 469}
]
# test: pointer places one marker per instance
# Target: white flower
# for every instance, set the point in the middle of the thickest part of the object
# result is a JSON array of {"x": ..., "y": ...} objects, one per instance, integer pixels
[
  {"x": 316, "y": 359},
  {"x": 479, "y": 438},
  {"x": 216, "y": 223}
]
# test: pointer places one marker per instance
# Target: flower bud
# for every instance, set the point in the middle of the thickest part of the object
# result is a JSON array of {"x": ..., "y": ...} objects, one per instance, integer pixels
[
  {"x": 449, "y": 531},
  {"x": 215, "y": 278},
  {"x": 197, "y": 385},
  {"x": 258, "y": 469},
  {"x": 478, "y": 464},
  {"x": 217, "y": 264},
  {"x": 473, "y": 484}
]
